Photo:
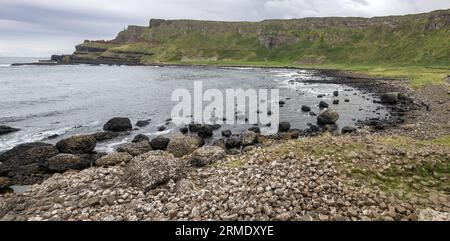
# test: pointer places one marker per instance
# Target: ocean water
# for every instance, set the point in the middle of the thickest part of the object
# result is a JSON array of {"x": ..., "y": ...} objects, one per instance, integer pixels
[{"x": 67, "y": 100}]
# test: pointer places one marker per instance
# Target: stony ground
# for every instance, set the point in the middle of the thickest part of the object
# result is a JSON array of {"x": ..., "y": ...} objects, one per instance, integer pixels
[{"x": 397, "y": 174}]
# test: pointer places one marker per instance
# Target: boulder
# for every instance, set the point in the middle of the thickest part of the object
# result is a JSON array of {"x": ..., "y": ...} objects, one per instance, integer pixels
[
  {"x": 233, "y": 142},
  {"x": 207, "y": 155},
  {"x": 24, "y": 155},
  {"x": 152, "y": 169},
  {"x": 184, "y": 130},
  {"x": 336, "y": 93},
  {"x": 206, "y": 131},
  {"x": 77, "y": 144},
  {"x": 64, "y": 162},
  {"x": 135, "y": 149},
  {"x": 347, "y": 100},
  {"x": 284, "y": 126},
  {"x": 142, "y": 123},
  {"x": 348, "y": 129},
  {"x": 291, "y": 134},
  {"x": 161, "y": 128},
  {"x": 160, "y": 143},
  {"x": 328, "y": 117},
  {"x": 105, "y": 135},
  {"x": 118, "y": 124},
  {"x": 220, "y": 143},
  {"x": 390, "y": 98},
  {"x": 323, "y": 105},
  {"x": 306, "y": 108},
  {"x": 113, "y": 159},
  {"x": 226, "y": 133},
  {"x": 194, "y": 127},
  {"x": 249, "y": 138},
  {"x": 140, "y": 138},
  {"x": 7, "y": 129},
  {"x": 181, "y": 145},
  {"x": 335, "y": 102}
]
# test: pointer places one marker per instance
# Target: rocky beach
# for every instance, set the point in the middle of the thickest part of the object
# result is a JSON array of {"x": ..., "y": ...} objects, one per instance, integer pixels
[{"x": 389, "y": 169}]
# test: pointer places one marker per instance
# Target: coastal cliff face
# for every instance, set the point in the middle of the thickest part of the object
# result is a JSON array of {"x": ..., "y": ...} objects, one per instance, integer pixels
[{"x": 421, "y": 39}]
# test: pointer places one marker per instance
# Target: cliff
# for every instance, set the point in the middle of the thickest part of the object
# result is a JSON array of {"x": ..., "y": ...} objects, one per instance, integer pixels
[{"x": 420, "y": 39}]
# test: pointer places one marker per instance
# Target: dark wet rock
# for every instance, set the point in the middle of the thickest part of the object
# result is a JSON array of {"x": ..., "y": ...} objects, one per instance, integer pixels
[
  {"x": 162, "y": 128},
  {"x": 135, "y": 149},
  {"x": 216, "y": 126},
  {"x": 336, "y": 93},
  {"x": 64, "y": 162},
  {"x": 194, "y": 127},
  {"x": 160, "y": 143},
  {"x": 335, "y": 102},
  {"x": 207, "y": 155},
  {"x": 269, "y": 113},
  {"x": 140, "y": 138},
  {"x": 312, "y": 114},
  {"x": 314, "y": 128},
  {"x": 249, "y": 138},
  {"x": 233, "y": 142},
  {"x": 306, "y": 108},
  {"x": 169, "y": 120},
  {"x": 390, "y": 98},
  {"x": 181, "y": 145},
  {"x": 7, "y": 129},
  {"x": 118, "y": 124},
  {"x": 184, "y": 130},
  {"x": 105, "y": 135},
  {"x": 142, "y": 123},
  {"x": 77, "y": 144},
  {"x": 282, "y": 102},
  {"x": 320, "y": 96},
  {"x": 113, "y": 159},
  {"x": 53, "y": 137},
  {"x": 24, "y": 155},
  {"x": 291, "y": 134},
  {"x": 348, "y": 130},
  {"x": 227, "y": 133},
  {"x": 347, "y": 100},
  {"x": 284, "y": 126},
  {"x": 206, "y": 131},
  {"x": 153, "y": 169},
  {"x": 323, "y": 105},
  {"x": 255, "y": 129},
  {"x": 328, "y": 117}
]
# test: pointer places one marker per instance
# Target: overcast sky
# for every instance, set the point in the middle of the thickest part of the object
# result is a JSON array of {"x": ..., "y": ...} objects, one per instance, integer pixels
[{"x": 44, "y": 27}]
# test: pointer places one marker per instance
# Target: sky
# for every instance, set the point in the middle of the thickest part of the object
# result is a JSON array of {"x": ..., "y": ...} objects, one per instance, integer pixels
[{"x": 39, "y": 28}]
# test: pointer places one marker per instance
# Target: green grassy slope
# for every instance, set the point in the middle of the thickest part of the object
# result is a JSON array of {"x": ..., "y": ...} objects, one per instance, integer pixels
[{"x": 421, "y": 40}]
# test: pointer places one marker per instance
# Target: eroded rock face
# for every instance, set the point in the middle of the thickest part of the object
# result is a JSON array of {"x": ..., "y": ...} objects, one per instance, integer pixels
[
  {"x": 118, "y": 124},
  {"x": 135, "y": 149},
  {"x": 152, "y": 169},
  {"x": 64, "y": 162},
  {"x": 328, "y": 117},
  {"x": 113, "y": 159},
  {"x": 77, "y": 144},
  {"x": 207, "y": 155},
  {"x": 182, "y": 145}
]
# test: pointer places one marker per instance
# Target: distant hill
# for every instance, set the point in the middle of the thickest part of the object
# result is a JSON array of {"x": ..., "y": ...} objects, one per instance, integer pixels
[{"x": 420, "y": 39}]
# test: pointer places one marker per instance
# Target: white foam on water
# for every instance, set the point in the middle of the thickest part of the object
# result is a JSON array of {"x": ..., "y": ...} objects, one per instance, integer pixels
[{"x": 5, "y": 65}]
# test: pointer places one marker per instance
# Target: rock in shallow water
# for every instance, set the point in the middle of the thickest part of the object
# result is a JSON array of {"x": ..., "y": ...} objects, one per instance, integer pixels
[
  {"x": 140, "y": 138},
  {"x": 7, "y": 129},
  {"x": 118, "y": 124},
  {"x": 284, "y": 126},
  {"x": 135, "y": 149},
  {"x": 105, "y": 135},
  {"x": 328, "y": 117},
  {"x": 160, "y": 143},
  {"x": 181, "y": 145}
]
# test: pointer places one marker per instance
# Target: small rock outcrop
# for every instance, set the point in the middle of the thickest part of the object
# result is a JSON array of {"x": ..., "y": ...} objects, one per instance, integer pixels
[
  {"x": 207, "y": 155},
  {"x": 160, "y": 143},
  {"x": 77, "y": 144},
  {"x": 118, "y": 124},
  {"x": 135, "y": 149},
  {"x": 181, "y": 145},
  {"x": 328, "y": 117},
  {"x": 140, "y": 138},
  {"x": 153, "y": 169},
  {"x": 7, "y": 129},
  {"x": 64, "y": 162},
  {"x": 249, "y": 138},
  {"x": 284, "y": 126},
  {"x": 105, "y": 135}
]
